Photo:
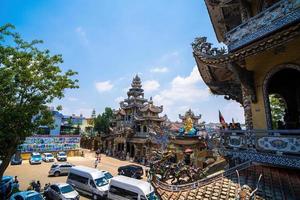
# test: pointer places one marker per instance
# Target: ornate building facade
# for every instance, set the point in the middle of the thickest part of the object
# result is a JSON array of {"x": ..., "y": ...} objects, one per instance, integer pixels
[
  {"x": 136, "y": 126},
  {"x": 262, "y": 59}
]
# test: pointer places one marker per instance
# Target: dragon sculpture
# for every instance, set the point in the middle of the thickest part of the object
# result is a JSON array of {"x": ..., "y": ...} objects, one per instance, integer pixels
[{"x": 175, "y": 173}]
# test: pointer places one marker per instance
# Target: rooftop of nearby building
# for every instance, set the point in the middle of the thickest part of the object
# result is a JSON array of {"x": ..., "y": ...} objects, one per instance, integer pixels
[{"x": 276, "y": 183}]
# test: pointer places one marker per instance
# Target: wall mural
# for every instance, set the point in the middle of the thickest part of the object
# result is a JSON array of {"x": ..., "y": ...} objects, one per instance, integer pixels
[{"x": 49, "y": 143}]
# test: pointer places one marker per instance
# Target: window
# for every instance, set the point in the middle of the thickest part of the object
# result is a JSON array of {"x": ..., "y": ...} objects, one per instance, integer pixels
[
  {"x": 35, "y": 197},
  {"x": 108, "y": 175},
  {"x": 101, "y": 181},
  {"x": 55, "y": 188},
  {"x": 138, "y": 128},
  {"x": 53, "y": 166},
  {"x": 78, "y": 178},
  {"x": 145, "y": 129},
  {"x": 92, "y": 183},
  {"x": 18, "y": 197},
  {"x": 123, "y": 193},
  {"x": 66, "y": 189}
]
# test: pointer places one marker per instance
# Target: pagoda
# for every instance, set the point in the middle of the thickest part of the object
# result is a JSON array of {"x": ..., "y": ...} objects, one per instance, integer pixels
[{"x": 134, "y": 124}]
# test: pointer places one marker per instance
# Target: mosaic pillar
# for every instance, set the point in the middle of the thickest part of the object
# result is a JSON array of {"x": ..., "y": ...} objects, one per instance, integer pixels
[{"x": 247, "y": 108}]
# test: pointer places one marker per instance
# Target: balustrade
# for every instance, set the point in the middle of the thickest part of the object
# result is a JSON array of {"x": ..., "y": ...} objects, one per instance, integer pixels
[{"x": 268, "y": 141}]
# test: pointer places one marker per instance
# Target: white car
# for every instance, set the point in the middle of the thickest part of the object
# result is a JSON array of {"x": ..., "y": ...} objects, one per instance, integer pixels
[
  {"x": 62, "y": 191},
  {"x": 61, "y": 156},
  {"x": 48, "y": 157}
]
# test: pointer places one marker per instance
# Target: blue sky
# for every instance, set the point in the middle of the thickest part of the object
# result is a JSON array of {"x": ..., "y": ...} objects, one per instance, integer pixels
[{"x": 109, "y": 41}]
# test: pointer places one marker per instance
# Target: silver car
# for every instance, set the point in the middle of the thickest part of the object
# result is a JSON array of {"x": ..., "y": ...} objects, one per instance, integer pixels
[
  {"x": 58, "y": 169},
  {"x": 62, "y": 191}
]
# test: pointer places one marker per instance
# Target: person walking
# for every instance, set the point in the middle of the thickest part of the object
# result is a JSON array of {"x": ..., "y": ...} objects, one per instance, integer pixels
[
  {"x": 96, "y": 163},
  {"x": 97, "y": 153}
]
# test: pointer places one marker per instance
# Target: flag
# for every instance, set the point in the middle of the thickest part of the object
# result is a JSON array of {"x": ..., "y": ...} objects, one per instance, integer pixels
[{"x": 221, "y": 118}]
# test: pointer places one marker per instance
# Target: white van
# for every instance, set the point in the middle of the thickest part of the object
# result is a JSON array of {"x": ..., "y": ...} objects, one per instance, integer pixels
[
  {"x": 89, "y": 181},
  {"x": 124, "y": 188}
]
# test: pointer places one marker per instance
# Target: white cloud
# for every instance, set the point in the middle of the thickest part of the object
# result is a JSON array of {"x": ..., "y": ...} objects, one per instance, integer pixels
[
  {"x": 104, "y": 86},
  {"x": 159, "y": 70},
  {"x": 151, "y": 85},
  {"x": 82, "y": 35},
  {"x": 183, "y": 93}
]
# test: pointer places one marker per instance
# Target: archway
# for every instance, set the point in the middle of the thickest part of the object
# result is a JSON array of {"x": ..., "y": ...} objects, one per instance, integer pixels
[{"x": 282, "y": 97}]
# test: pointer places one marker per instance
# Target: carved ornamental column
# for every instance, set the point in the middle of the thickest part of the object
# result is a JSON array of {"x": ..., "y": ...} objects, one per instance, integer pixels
[
  {"x": 245, "y": 10},
  {"x": 247, "y": 108}
]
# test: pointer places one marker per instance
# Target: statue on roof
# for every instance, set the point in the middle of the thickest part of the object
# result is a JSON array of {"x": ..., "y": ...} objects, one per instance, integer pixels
[{"x": 191, "y": 125}]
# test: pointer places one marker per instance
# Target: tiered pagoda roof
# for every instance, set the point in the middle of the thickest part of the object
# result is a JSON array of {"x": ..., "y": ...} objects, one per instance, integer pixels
[
  {"x": 135, "y": 95},
  {"x": 139, "y": 105},
  {"x": 190, "y": 114},
  {"x": 152, "y": 108}
]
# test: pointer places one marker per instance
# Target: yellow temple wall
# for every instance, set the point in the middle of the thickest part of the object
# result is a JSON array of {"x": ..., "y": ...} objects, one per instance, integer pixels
[{"x": 261, "y": 64}]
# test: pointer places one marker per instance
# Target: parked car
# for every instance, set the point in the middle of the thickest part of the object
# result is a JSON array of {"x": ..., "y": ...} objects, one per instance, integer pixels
[
  {"x": 16, "y": 159},
  {"x": 6, "y": 186},
  {"x": 35, "y": 158},
  {"x": 48, "y": 157},
  {"x": 122, "y": 187},
  {"x": 58, "y": 169},
  {"x": 27, "y": 195},
  {"x": 133, "y": 171},
  {"x": 61, "y": 156},
  {"x": 88, "y": 181},
  {"x": 62, "y": 191}
]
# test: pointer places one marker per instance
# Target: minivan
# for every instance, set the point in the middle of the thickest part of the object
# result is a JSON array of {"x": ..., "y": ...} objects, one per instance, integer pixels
[
  {"x": 88, "y": 181},
  {"x": 126, "y": 188}
]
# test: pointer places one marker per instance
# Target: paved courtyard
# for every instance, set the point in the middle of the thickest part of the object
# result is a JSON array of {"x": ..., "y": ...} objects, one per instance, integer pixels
[{"x": 26, "y": 172}]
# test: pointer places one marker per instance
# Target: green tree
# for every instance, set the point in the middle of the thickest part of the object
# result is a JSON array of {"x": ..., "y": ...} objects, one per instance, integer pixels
[
  {"x": 278, "y": 107},
  {"x": 59, "y": 108},
  {"x": 102, "y": 121},
  {"x": 30, "y": 79}
]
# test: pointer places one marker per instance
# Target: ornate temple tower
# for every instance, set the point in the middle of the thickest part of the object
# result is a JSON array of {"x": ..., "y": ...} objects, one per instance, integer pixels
[
  {"x": 135, "y": 98},
  {"x": 135, "y": 121}
]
